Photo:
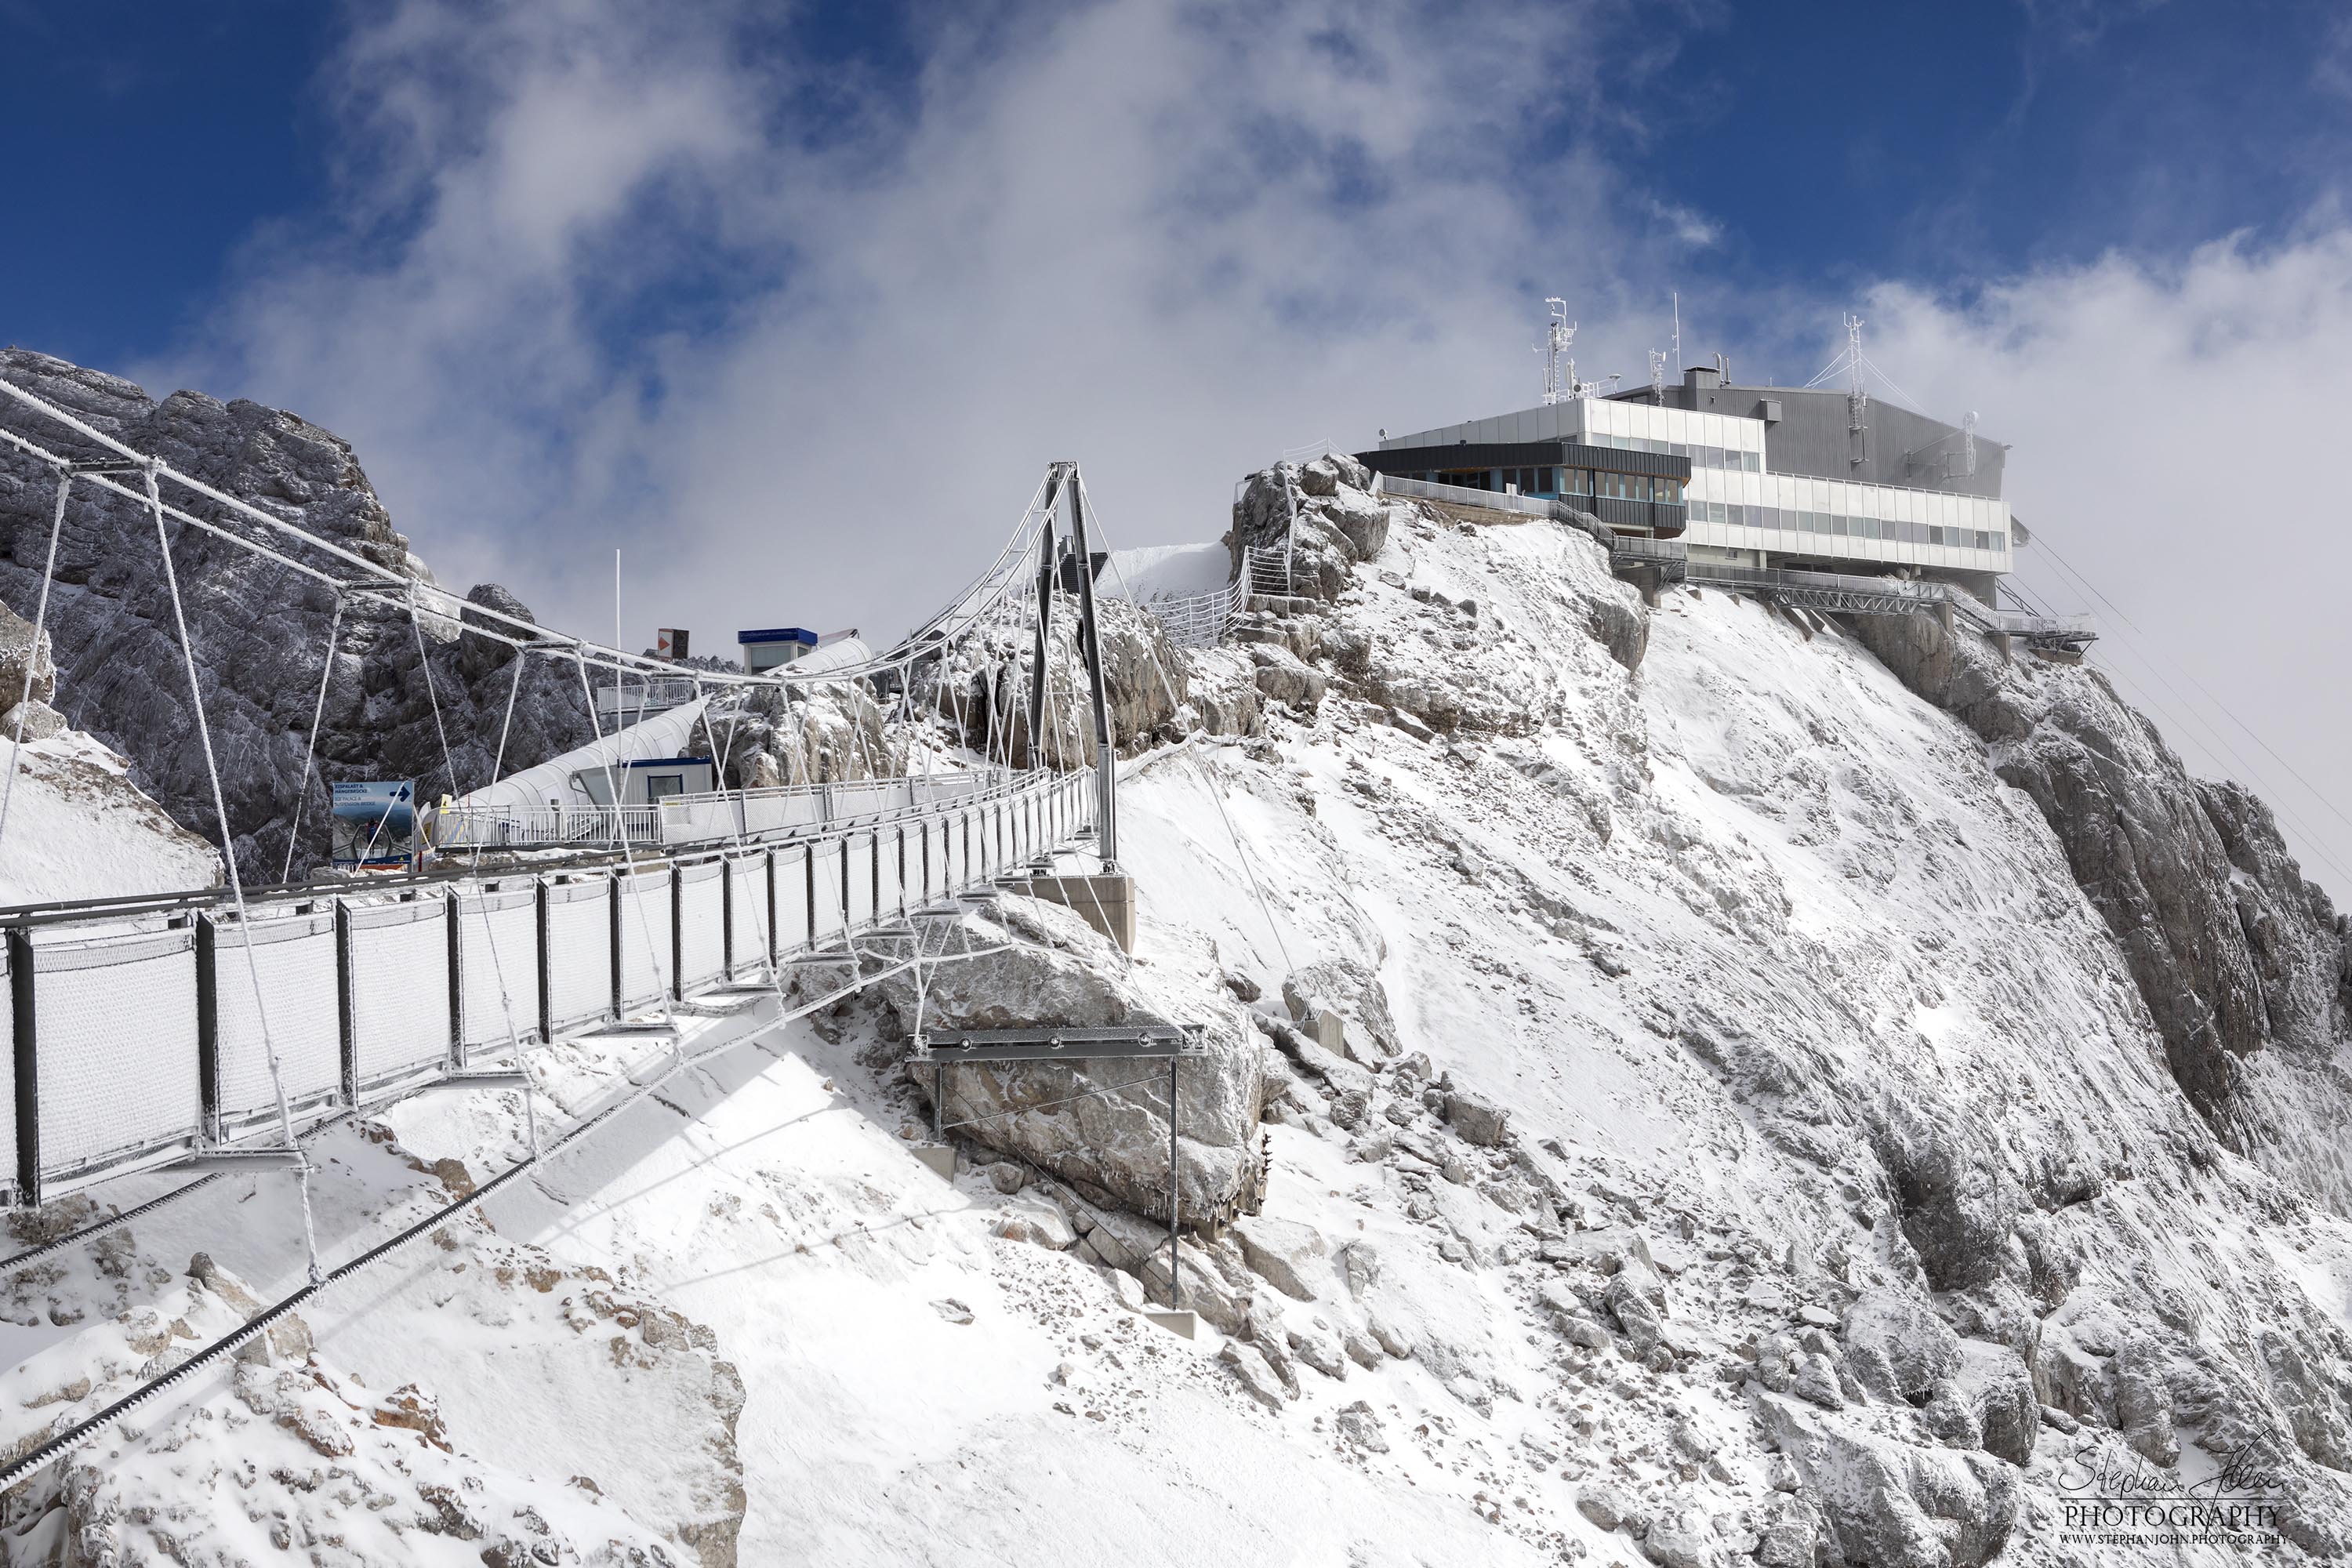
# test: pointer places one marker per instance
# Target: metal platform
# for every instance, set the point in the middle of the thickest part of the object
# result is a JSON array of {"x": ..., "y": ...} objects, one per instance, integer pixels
[{"x": 1157, "y": 1041}]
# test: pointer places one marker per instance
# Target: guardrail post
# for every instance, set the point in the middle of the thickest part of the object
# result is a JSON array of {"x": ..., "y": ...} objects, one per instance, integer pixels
[
  {"x": 546, "y": 990},
  {"x": 209, "y": 1025},
  {"x": 727, "y": 914},
  {"x": 346, "y": 1004},
  {"x": 457, "y": 980},
  {"x": 770, "y": 853},
  {"x": 26, "y": 1013},
  {"x": 613, "y": 930},
  {"x": 676, "y": 932}
]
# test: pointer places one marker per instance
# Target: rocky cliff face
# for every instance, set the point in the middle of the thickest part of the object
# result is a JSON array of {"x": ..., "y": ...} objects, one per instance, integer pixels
[
  {"x": 259, "y": 629},
  {"x": 2245, "y": 966}
]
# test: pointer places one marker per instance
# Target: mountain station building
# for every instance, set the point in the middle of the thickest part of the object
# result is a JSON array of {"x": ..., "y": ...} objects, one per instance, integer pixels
[{"x": 1800, "y": 478}]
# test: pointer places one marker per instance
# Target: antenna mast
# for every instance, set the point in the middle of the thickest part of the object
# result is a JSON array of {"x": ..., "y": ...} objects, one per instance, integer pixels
[
  {"x": 1857, "y": 398},
  {"x": 1968, "y": 442},
  {"x": 1557, "y": 339},
  {"x": 1678, "y": 330},
  {"x": 1657, "y": 378}
]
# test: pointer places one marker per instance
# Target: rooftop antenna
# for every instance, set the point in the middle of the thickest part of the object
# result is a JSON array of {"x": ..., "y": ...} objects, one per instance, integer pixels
[
  {"x": 1657, "y": 378},
  {"x": 1559, "y": 337},
  {"x": 1968, "y": 442},
  {"x": 1678, "y": 329},
  {"x": 1857, "y": 398}
]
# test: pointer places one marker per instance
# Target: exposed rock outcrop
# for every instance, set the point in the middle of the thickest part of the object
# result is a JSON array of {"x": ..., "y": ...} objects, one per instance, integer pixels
[
  {"x": 2245, "y": 966},
  {"x": 1100, "y": 1126},
  {"x": 259, "y": 630}
]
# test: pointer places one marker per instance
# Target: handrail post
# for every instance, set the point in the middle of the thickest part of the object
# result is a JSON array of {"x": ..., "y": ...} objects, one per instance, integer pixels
[
  {"x": 25, "y": 1049},
  {"x": 346, "y": 1004},
  {"x": 208, "y": 1065},
  {"x": 676, "y": 932},
  {"x": 546, "y": 987},
  {"x": 457, "y": 977},
  {"x": 612, "y": 934}
]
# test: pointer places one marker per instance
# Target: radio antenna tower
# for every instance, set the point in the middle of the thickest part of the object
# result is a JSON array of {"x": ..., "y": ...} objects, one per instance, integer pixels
[
  {"x": 1969, "y": 443},
  {"x": 1857, "y": 397},
  {"x": 1657, "y": 378},
  {"x": 1678, "y": 330},
  {"x": 1557, "y": 339}
]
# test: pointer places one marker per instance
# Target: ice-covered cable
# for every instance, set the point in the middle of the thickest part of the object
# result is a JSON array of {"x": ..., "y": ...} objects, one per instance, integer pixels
[
  {"x": 33, "y": 649},
  {"x": 235, "y": 880},
  {"x": 310, "y": 750}
]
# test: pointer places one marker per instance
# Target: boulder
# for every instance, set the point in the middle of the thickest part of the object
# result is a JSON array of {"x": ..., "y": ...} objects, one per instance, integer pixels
[
  {"x": 1291, "y": 1257},
  {"x": 1112, "y": 1146},
  {"x": 1682, "y": 1539},
  {"x": 30, "y": 721},
  {"x": 1998, "y": 1388},
  {"x": 1890, "y": 1504},
  {"x": 28, "y": 667},
  {"x": 1479, "y": 1121},
  {"x": 1256, "y": 1376},
  {"x": 1353, "y": 992},
  {"x": 1898, "y": 1348},
  {"x": 1611, "y": 1508}
]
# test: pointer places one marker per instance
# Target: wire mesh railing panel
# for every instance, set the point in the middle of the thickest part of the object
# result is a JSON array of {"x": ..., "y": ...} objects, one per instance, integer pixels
[
  {"x": 497, "y": 959},
  {"x": 1197, "y": 620},
  {"x": 748, "y": 919},
  {"x": 859, "y": 847},
  {"x": 400, "y": 988},
  {"x": 8, "y": 1075},
  {"x": 116, "y": 1048},
  {"x": 890, "y": 881},
  {"x": 826, "y": 912},
  {"x": 294, "y": 956},
  {"x": 792, "y": 934},
  {"x": 702, "y": 923},
  {"x": 579, "y": 951},
  {"x": 765, "y": 814},
  {"x": 644, "y": 937}
]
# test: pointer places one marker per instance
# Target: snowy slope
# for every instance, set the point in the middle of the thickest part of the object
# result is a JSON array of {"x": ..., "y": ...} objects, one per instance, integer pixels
[
  {"x": 1166, "y": 572},
  {"x": 1840, "y": 1176},
  {"x": 78, "y": 828}
]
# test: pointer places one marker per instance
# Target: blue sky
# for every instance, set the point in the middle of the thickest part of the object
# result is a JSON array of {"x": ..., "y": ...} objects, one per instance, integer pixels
[
  {"x": 1817, "y": 144},
  {"x": 792, "y": 304}
]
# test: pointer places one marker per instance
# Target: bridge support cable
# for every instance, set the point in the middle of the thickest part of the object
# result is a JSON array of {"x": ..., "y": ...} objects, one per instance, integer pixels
[
  {"x": 320, "y": 1283},
  {"x": 1044, "y": 614},
  {"x": 235, "y": 880},
  {"x": 1090, "y": 647},
  {"x": 393, "y": 588},
  {"x": 628, "y": 855},
  {"x": 1217, "y": 795},
  {"x": 33, "y": 648},
  {"x": 311, "y": 750}
]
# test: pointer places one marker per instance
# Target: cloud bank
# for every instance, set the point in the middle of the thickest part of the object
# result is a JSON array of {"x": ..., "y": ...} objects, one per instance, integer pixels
[{"x": 798, "y": 330}]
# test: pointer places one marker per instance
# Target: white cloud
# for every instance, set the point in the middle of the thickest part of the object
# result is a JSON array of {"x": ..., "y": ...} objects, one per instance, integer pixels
[
  {"x": 2175, "y": 432},
  {"x": 1167, "y": 241}
]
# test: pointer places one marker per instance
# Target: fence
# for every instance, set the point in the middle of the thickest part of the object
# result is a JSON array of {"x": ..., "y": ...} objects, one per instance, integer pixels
[
  {"x": 133, "y": 1038},
  {"x": 703, "y": 818}
]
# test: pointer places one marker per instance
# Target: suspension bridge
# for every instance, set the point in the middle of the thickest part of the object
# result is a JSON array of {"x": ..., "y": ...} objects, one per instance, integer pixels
[{"x": 222, "y": 1029}]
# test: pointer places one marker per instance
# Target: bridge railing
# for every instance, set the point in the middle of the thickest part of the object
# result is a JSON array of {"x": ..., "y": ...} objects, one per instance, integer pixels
[
  {"x": 702, "y": 817},
  {"x": 132, "y": 1038}
]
